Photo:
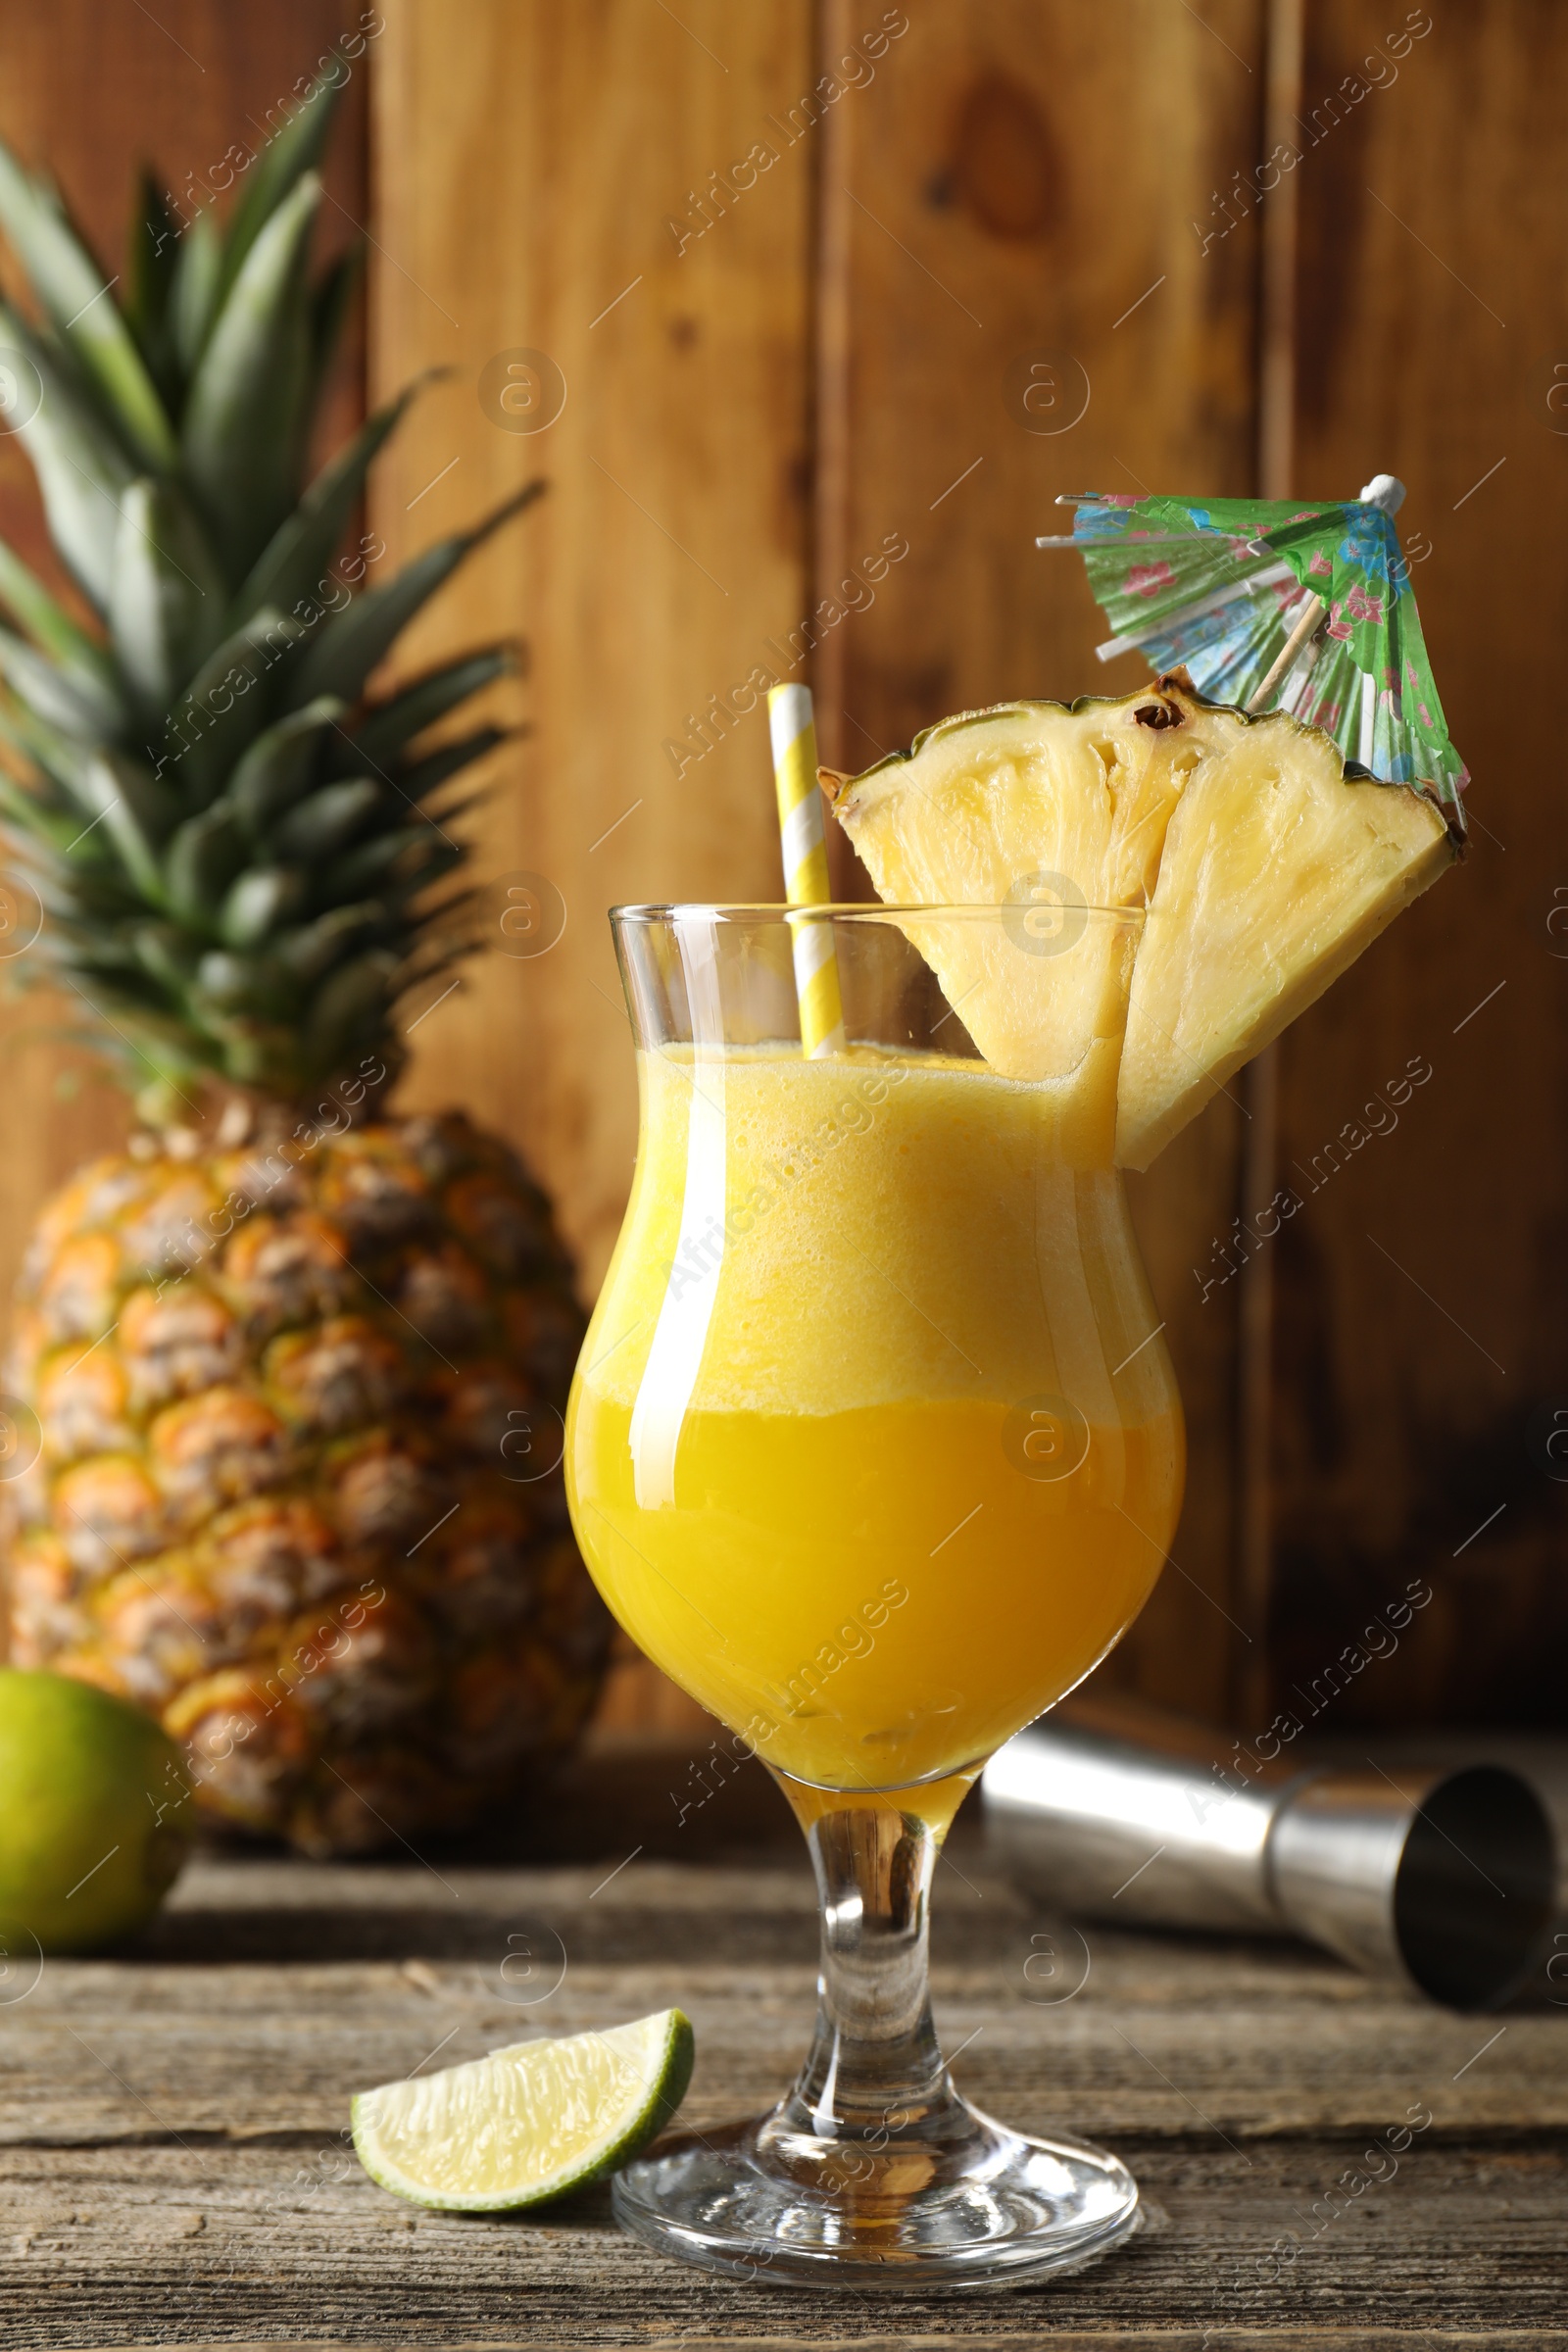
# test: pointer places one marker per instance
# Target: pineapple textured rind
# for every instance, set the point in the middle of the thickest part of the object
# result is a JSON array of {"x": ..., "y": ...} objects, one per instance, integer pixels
[
  {"x": 1276, "y": 875},
  {"x": 288, "y": 1498}
]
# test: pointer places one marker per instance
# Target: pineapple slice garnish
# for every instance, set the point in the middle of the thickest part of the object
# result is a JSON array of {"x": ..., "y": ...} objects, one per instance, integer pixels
[{"x": 1260, "y": 870}]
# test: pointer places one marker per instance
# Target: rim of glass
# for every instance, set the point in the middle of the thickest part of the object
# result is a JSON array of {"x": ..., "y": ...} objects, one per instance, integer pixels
[{"x": 742, "y": 910}]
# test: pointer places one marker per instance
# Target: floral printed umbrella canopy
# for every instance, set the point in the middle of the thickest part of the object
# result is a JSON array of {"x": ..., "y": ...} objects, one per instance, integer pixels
[{"x": 1269, "y": 604}]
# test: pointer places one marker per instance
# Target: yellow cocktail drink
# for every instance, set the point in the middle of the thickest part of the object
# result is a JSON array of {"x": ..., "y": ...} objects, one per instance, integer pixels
[{"x": 870, "y": 1448}]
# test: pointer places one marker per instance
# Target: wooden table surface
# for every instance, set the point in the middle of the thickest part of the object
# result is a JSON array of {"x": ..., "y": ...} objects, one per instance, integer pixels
[{"x": 177, "y": 2169}]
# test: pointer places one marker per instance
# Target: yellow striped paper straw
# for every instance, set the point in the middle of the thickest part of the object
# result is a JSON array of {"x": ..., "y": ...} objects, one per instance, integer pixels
[{"x": 793, "y": 730}]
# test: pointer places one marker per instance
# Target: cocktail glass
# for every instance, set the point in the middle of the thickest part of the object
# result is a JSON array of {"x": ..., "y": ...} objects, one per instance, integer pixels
[{"x": 875, "y": 1449}]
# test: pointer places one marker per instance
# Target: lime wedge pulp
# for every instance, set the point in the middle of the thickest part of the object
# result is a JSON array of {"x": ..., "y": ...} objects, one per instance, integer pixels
[{"x": 528, "y": 2123}]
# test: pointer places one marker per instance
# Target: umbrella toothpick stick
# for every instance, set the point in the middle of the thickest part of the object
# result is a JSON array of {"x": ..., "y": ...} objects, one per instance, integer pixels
[{"x": 1286, "y": 659}]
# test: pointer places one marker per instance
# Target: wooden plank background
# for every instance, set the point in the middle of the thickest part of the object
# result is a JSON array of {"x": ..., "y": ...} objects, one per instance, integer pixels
[
  {"x": 764, "y": 380},
  {"x": 1418, "y": 1336}
]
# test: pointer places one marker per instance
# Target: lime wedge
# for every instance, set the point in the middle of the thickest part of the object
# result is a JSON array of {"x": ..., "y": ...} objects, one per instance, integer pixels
[{"x": 528, "y": 2123}]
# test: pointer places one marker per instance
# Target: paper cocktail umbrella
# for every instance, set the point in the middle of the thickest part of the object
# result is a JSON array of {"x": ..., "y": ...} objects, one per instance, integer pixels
[{"x": 1278, "y": 604}]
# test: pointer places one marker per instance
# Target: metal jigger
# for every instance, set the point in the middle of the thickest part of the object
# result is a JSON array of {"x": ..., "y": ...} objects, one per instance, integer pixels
[{"x": 1442, "y": 1879}]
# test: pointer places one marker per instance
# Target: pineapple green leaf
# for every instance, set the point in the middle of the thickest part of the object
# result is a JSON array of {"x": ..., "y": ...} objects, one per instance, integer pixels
[
  {"x": 78, "y": 704},
  {"x": 133, "y": 810},
  {"x": 193, "y": 296},
  {"x": 375, "y": 865},
  {"x": 165, "y": 598},
  {"x": 291, "y": 564},
  {"x": 230, "y": 698},
  {"x": 52, "y": 629},
  {"x": 309, "y": 953},
  {"x": 32, "y": 819},
  {"x": 453, "y": 812},
  {"x": 325, "y": 823},
  {"x": 421, "y": 777},
  {"x": 274, "y": 173},
  {"x": 261, "y": 903},
  {"x": 352, "y": 644},
  {"x": 167, "y": 954},
  {"x": 95, "y": 896},
  {"x": 108, "y": 957},
  {"x": 151, "y": 1042},
  {"x": 382, "y": 733},
  {"x": 279, "y": 765},
  {"x": 57, "y": 759},
  {"x": 331, "y": 300},
  {"x": 241, "y": 426},
  {"x": 152, "y": 257},
  {"x": 244, "y": 983},
  {"x": 82, "y": 470},
  {"x": 76, "y": 299},
  {"x": 432, "y": 967},
  {"x": 153, "y": 806},
  {"x": 351, "y": 1008},
  {"x": 421, "y": 873},
  {"x": 262, "y": 1055},
  {"x": 203, "y": 859},
  {"x": 438, "y": 860},
  {"x": 130, "y": 990},
  {"x": 253, "y": 896}
]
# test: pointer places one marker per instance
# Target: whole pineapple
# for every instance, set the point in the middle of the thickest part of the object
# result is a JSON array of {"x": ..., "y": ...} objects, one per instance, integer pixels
[{"x": 297, "y": 1365}]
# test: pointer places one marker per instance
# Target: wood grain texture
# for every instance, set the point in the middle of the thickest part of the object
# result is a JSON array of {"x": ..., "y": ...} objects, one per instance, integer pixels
[
  {"x": 1418, "y": 1329},
  {"x": 89, "y": 89},
  {"x": 175, "y": 2167},
  {"x": 1310, "y": 2338},
  {"x": 1030, "y": 313}
]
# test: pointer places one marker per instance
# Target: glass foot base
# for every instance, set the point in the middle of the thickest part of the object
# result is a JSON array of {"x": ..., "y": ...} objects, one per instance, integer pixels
[{"x": 964, "y": 2210}]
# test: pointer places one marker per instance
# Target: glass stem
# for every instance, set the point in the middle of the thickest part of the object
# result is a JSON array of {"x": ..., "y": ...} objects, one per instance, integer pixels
[{"x": 874, "y": 2072}]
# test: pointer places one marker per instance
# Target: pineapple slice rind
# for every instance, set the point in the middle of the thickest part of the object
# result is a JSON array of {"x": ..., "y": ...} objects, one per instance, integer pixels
[{"x": 1277, "y": 873}]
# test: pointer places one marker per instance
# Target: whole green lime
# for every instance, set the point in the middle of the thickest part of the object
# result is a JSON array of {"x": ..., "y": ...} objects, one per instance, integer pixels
[{"x": 95, "y": 1814}]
